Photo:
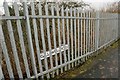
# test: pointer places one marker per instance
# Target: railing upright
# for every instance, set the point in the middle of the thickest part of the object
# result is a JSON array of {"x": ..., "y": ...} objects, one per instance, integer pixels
[
  {"x": 71, "y": 29},
  {"x": 49, "y": 38},
  {"x": 63, "y": 28},
  {"x": 75, "y": 46},
  {"x": 28, "y": 30},
  {"x": 68, "y": 37},
  {"x": 97, "y": 29},
  {"x": 78, "y": 26},
  {"x": 59, "y": 36},
  {"x": 43, "y": 39},
  {"x": 54, "y": 35},
  {"x": 1, "y": 72}
]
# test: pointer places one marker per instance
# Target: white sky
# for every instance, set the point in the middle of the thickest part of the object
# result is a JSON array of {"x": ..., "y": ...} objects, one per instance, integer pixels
[
  {"x": 100, "y": 3},
  {"x": 95, "y": 3}
]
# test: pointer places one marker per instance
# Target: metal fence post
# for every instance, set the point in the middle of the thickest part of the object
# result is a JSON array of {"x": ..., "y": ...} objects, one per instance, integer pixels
[
  {"x": 97, "y": 29},
  {"x": 28, "y": 29},
  {"x": 1, "y": 73}
]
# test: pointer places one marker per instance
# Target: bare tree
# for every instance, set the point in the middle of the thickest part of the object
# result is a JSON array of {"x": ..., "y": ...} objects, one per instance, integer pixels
[{"x": 112, "y": 8}]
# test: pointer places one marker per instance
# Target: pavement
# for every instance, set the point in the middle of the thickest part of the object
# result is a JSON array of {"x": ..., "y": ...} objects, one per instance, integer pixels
[{"x": 103, "y": 65}]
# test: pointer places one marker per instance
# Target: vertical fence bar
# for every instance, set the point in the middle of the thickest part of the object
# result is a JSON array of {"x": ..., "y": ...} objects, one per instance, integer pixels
[
  {"x": 68, "y": 39},
  {"x": 97, "y": 30},
  {"x": 43, "y": 39},
  {"x": 105, "y": 32},
  {"x": 93, "y": 26},
  {"x": 84, "y": 51},
  {"x": 63, "y": 27},
  {"x": 87, "y": 34},
  {"x": 49, "y": 40},
  {"x": 5, "y": 52},
  {"x": 71, "y": 21},
  {"x": 84, "y": 31},
  {"x": 0, "y": 48},
  {"x": 78, "y": 14},
  {"x": 36, "y": 38},
  {"x": 91, "y": 32},
  {"x": 12, "y": 40},
  {"x": 28, "y": 29},
  {"x": 75, "y": 36},
  {"x": 106, "y": 21},
  {"x": 81, "y": 26},
  {"x": 54, "y": 35},
  {"x": 117, "y": 26},
  {"x": 58, "y": 20},
  {"x": 20, "y": 34},
  {"x": 111, "y": 37},
  {"x": 1, "y": 72}
]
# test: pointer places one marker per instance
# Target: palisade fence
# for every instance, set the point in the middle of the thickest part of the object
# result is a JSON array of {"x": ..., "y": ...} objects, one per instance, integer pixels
[{"x": 48, "y": 40}]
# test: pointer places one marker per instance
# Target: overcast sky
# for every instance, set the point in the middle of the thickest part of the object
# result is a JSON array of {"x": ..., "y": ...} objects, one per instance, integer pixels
[
  {"x": 94, "y": 3},
  {"x": 100, "y": 3}
]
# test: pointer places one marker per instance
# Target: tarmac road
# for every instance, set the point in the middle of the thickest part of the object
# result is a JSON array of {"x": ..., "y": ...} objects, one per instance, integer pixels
[{"x": 106, "y": 67}]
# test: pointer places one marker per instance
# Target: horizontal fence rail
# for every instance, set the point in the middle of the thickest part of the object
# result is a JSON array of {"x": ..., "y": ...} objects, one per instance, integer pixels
[
  {"x": 61, "y": 17},
  {"x": 41, "y": 41}
]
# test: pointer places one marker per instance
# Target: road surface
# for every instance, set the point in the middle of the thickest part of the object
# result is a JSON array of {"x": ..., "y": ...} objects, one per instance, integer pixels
[{"x": 104, "y": 65}]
